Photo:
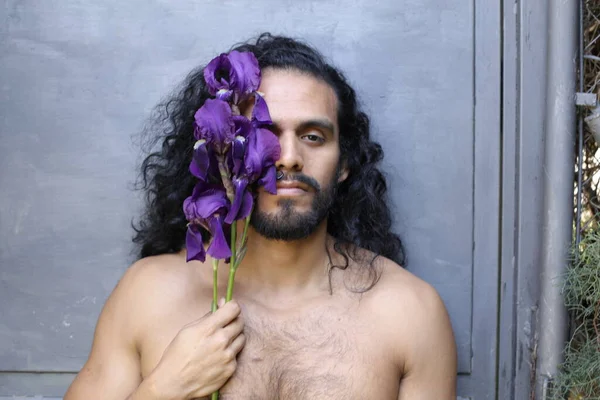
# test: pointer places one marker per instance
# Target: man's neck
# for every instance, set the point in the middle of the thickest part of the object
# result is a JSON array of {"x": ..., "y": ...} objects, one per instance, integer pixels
[{"x": 275, "y": 267}]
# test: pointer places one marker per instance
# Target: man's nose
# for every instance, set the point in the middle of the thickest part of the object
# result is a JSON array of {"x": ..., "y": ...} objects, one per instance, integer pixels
[{"x": 291, "y": 154}]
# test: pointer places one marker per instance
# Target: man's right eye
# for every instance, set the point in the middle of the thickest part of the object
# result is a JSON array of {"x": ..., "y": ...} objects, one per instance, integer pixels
[{"x": 314, "y": 138}]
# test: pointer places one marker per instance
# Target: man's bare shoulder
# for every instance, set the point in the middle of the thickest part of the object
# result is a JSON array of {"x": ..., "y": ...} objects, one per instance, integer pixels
[
  {"x": 410, "y": 312},
  {"x": 165, "y": 271},
  {"x": 153, "y": 286},
  {"x": 398, "y": 286}
]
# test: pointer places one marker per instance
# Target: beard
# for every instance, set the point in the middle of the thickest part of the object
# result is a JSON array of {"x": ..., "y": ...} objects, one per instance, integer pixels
[{"x": 288, "y": 223}]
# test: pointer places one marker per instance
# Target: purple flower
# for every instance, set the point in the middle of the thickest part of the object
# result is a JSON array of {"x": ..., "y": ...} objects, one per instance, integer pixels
[
  {"x": 207, "y": 207},
  {"x": 230, "y": 149},
  {"x": 215, "y": 124},
  {"x": 242, "y": 201},
  {"x": 254, "y": 159},
  {"x": 232, "y": 76},
  {"x": 260, "y": 112},
  {"x": 194, "y": 244},
  {"x": 200, "y": 164},
  {"x": 263, "y": 151}
]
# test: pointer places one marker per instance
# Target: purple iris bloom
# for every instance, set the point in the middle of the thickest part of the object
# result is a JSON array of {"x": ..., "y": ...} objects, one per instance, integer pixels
[
  {"x": 233, "y": 76},
  {"x": 263, "y": 151},
  {"x": 214, "y": 123},
  {"x": 207, "y": 207},
  {"x": 233, "y": 150}
]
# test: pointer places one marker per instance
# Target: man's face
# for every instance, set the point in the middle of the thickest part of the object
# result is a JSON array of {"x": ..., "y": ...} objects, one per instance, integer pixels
[{"x": 304, "y": 114}]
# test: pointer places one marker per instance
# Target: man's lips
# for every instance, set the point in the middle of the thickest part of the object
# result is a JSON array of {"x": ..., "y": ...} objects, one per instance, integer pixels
[{"x": 291, "y": 188}]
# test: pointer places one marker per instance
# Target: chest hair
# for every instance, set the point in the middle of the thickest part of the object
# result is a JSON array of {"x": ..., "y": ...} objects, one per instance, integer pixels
[{"x": 296, "y": 358}]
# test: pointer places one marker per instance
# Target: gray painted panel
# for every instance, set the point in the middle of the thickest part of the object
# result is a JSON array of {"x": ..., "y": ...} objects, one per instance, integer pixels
[
  {"x": 487, "y": 160},
  {"x": 82, "y": 75},
  {"x": 32, "y": 384},
  {"x": 30, "y": 398},
  {"x": 524, "y": 104}
]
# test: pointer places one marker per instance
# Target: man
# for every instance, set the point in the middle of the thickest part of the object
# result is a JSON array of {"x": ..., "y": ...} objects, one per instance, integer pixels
[{"x": 321, "y": 309}]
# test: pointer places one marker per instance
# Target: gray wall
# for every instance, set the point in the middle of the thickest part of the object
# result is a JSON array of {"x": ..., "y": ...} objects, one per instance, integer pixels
[{"x": 78, "y": 77}]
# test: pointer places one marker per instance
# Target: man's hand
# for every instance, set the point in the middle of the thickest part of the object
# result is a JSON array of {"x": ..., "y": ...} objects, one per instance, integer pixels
[
  {"x": 198, "y": 361},
  {"x": 202, "y": 357}
]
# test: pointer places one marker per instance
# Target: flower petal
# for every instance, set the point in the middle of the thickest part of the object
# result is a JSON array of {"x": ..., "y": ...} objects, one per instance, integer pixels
[
  {"x": 218, "y": 247},
  {"x": 260, "y": 112},
  {"x": 224, "y": 94},
  {"x": 263, "y": 150},
  {"x": 214, "y": 123},
  {"x": 238, "y": 149},
  {"x": 216, "y": 74},
  {"x": 245, "y": 73},
  {"x": 205, "y": 201},
  {"x": 268, "y": 145},
  {"x": 189, "y": 209},
  {"x": 194, "y": 245},
  {"x": 200, "y": 161},
  {"x": 210, "y": 202},
  {"x": 240, "y": 185},
  {"x": 269, "y": 179},
  {"x": 247, "y": 205}
]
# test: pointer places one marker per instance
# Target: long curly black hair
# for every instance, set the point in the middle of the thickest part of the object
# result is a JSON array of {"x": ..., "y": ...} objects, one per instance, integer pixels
[{"x": 360, "y": 216}]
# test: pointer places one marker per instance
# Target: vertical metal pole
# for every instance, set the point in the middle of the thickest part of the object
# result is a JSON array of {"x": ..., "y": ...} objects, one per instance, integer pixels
[
  {"x": 558, "y": 185},
  {"x": 580, "y": 133}
]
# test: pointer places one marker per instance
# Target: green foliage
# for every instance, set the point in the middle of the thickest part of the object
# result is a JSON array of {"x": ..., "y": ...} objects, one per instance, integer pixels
[
  {"x": 580, "y": 373},
  {"x": 582, "y": 281}
]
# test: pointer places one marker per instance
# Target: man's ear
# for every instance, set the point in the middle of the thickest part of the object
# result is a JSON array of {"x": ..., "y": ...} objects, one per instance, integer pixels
[{"x": 344, "y": 172}]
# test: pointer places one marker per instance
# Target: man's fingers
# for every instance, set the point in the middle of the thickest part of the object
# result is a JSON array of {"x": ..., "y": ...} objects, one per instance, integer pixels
[
  {"x": 227, "y": 313},
  {"x": 238, "y": 344},
  {"x": 234, "y": 328}
]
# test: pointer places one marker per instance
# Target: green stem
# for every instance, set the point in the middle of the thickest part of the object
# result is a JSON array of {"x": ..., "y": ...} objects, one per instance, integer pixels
[
  {"x": 246, "y": 230},
  {"x": 215, "y": 263},
  {"x": 232, "y": 262},
  {"x": 242, "y": 252}
]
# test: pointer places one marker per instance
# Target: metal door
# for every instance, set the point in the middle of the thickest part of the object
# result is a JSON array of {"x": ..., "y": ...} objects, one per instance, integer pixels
[{"x": 78, "y": 77}]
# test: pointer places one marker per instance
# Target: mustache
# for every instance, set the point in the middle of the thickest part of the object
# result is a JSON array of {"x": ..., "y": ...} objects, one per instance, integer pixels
[{"x": 307, "y": 180}]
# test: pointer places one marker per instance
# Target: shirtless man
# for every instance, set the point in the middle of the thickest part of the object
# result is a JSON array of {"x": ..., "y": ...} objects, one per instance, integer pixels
[{"x": 322, "y": 309}]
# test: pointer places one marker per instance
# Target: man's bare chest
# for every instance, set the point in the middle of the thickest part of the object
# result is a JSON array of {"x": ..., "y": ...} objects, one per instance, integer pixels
[{"x": 325, "y": 354}]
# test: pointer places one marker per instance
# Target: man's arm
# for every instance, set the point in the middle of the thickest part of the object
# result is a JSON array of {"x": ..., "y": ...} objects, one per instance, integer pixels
[
  {"x": 430, "y": 353},
  {"x": 198, "y": 361}
]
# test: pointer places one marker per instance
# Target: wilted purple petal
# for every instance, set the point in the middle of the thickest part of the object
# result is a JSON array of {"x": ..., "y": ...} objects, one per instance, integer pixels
[
  {"x": 200, "y": 161},
  {"x": 240, "y": 185},
  {"x": 260, "y": 112},
  {"x": 194, "y": 246},
  {"x": 218, "y": 247},
  {"x": 245, "y": 72},
  {"x": 216, "y": 74},
  {"x": 269, "y": 179},
  {"x": 214, "y": 123}
]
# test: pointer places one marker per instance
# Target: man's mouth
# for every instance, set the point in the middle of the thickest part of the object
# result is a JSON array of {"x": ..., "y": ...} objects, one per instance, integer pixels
[{"x": 291, "y": 188}]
